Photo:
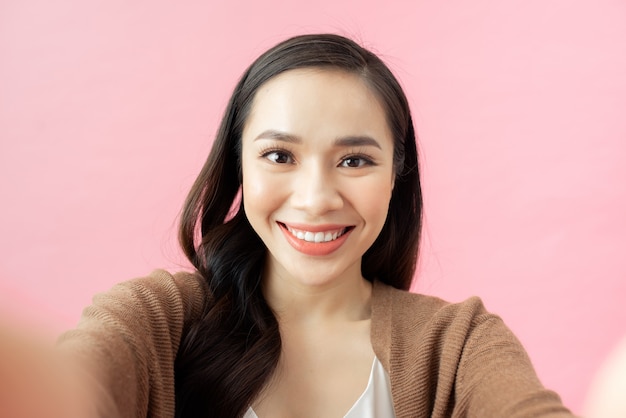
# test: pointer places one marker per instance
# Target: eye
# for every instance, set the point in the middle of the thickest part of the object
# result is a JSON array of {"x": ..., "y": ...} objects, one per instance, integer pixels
[
  {"x": 356, "y": 161},
  {"x": 278, "y": 157}
]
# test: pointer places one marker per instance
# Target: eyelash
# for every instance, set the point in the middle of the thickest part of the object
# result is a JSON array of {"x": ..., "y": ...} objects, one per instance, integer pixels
[
  {"x": 366, "y": 159},
  {"x": 265, "y": 153}
]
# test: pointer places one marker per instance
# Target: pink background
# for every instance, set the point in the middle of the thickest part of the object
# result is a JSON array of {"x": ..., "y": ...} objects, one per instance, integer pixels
[{"x": 108, "y": 109}]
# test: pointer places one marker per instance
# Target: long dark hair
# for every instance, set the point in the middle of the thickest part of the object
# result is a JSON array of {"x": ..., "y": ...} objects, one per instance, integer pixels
[{"x": 227, "y": 357}]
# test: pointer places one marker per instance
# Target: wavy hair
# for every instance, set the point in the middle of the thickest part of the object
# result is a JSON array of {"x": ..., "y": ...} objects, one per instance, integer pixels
[{"x": 227, "y": 357}]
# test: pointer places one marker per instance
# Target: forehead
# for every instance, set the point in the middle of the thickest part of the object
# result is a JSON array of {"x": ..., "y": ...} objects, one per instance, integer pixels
[{"x": 318, "y": 103}]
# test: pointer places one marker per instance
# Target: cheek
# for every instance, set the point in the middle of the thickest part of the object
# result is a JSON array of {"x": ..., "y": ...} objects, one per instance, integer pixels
[
  {"x": 261, "y": 195},
  {"x": 373, "y": 201}
]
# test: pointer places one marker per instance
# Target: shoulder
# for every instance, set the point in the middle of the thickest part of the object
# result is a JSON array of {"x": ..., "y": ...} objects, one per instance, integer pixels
[
  {"x": 158, "y": 287},
  {"x": 403, "y": 321},
  {"x": 163, "y": 281},
  {"x": 411, "y": 309},
  {"x": 159, "y": 300}
]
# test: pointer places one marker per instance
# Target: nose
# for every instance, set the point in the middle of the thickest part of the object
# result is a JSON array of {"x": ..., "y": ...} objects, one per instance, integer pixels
[{"x": 315, "y": 190}]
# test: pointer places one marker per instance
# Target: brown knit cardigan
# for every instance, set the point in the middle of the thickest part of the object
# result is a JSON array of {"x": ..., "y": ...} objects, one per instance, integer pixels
[{"x": 443, "y": 360}]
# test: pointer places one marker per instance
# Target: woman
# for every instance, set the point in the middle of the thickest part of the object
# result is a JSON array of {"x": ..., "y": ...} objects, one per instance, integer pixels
[{"x": 304, "y": 227}]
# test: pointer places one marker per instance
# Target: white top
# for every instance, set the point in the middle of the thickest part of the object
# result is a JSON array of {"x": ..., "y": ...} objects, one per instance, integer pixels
[{"x": 374, "y": 402}]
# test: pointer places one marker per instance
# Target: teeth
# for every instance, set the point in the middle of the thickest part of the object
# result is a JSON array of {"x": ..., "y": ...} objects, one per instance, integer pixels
[{"x": 316, "y": 236}]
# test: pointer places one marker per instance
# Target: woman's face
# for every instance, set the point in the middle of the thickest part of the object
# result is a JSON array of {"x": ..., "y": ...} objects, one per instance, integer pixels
[{"x": 317, "y": 164}]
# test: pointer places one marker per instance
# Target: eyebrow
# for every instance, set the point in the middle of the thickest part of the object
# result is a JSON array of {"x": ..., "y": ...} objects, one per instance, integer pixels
[{"x": 344, "y": 141}]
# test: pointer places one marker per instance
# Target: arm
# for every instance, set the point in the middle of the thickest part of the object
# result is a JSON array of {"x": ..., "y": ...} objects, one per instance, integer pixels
[
  {"x": 496, "y": 377},
  {"x": 127, "y": 341}
]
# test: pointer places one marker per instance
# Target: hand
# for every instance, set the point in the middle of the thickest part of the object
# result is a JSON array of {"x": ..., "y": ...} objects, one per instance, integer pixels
[{"x": 37, "y": 382}]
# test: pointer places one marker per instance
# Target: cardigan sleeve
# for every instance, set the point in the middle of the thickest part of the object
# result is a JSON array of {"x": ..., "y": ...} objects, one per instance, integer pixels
[
  {"x": 495, "y": 376},
  {"x": 454, "y": 360},
  {"x": 127, "y": 341}
]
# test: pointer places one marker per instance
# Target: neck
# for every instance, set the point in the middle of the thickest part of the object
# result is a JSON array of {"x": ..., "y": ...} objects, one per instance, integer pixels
[{"x": 346, "y": 298}]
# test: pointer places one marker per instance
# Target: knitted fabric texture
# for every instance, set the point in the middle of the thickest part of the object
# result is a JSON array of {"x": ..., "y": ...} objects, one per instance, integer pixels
[{"x": 443, "y": 360}]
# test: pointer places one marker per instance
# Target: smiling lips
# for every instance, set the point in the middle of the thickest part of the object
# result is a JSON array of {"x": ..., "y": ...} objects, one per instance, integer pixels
[{"x": 316, "y": 241}]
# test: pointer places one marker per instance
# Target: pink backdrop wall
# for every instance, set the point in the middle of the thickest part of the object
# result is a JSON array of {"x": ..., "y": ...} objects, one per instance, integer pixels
[{"x": 108, "y": 108}]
